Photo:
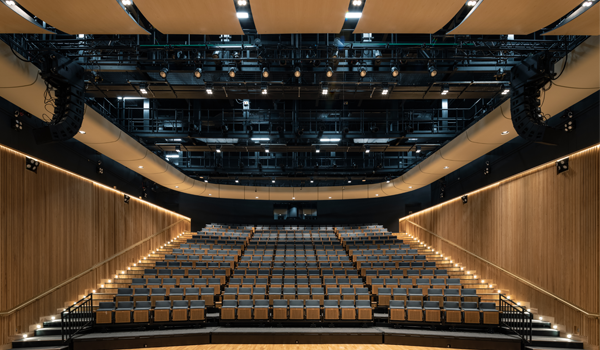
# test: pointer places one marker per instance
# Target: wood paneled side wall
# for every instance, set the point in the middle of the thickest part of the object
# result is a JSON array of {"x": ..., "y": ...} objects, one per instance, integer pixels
[
  {"x": 55, "y": 225},
  {"x": 538, "y": 225}
]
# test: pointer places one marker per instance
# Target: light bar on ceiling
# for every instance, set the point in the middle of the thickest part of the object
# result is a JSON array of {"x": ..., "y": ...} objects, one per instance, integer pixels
[
  {"x": 242, "y": 15},
  {"x": 353, "y": 15},
  {"x": 330, "y": 140},
  {"x": 260, "y": 139}
]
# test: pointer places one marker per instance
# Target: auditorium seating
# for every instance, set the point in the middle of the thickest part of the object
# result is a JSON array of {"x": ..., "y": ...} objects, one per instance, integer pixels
[{"x": 317, "y": 274}]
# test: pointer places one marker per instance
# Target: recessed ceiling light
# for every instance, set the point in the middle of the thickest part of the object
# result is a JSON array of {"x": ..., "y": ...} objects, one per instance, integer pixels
[
  {"x": 141, "y": 167},
  {"x": 82, "y": 132},
  {"x": 409, "y": 186},
  {"x": 446, "y": 167},
  {"x": 329, "y": 197},
  {"x": 256, "y": 197},
  {"x": 176, "y": 186},
  {"x": 505, "y": 133}
]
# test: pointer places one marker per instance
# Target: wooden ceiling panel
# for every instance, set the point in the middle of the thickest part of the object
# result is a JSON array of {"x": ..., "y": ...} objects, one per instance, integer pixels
[
  {"x": 520, "y": 17},
  {"x": 196, "y": 17},
  {"x": 299, "y": 17},
  {"x": 407, "y": 16},
  {"x": 586, "y": 23},
  {"x": 14, "y": 21},
  {"x": 84, "y": 17}
]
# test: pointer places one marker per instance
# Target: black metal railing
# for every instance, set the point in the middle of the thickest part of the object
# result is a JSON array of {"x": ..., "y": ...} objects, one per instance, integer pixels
[
  {"x": 78, "y": 318},
  {"x": 515, "y": 319}
]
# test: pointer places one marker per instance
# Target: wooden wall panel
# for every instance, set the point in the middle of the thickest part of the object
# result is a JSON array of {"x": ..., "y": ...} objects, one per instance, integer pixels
[
  {"x": 55, "y": 225},
  {"x": 538, "y": 225}
]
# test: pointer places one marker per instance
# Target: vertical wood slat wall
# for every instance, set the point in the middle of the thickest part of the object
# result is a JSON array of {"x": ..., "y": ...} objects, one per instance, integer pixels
[
  {"x": 538, "y": 225},
  {"x": 55, "y": 225}
]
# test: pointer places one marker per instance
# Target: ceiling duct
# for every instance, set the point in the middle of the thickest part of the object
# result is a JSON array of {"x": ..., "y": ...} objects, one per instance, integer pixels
[{"x": 21, "y": 86}]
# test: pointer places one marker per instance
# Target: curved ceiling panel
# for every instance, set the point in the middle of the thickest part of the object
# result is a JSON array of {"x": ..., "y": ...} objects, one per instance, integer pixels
[
  {"x": 407, "y": 16},
  {"x": 195, "y": 17},
  {"x": 585, "y": 21},
  {"x": 299, "y": 17},
  {"x": 499, "y": 17},
  {"x": 20, "y": 85},
  {"x": 14, "y": 20},
  {"x": 102, "y": 16}
]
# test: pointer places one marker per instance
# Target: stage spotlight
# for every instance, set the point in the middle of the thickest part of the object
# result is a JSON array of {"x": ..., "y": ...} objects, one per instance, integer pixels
[
  {"x": 465, "y": 199},
  {"x": 418, "y": 149},
  {"x": 385, "y": 90},
  {"x": 445, "y": 89},
  {"x": 265, "y": 72},
  {"x": 329, "y": 72},
  {"x": 264, "y": 89},
  {"x": 395, "y": 72},
  {"x": 569, "y": 125},
  {"x": 31, "y": 164},
  {"x": 273, "y": 181},
  {"x": 242, "y": 2},
  {"x": 387, "y": 179},
  {"x": 17, "y": 124},
  {"x": 100, "y": 168},
  {"x": 432, "y": 70},
  {"x": 356, "y": 2},
  {"x": 237, "y": 180},
  {"x": 164, "y": 72},
  {"x": 198, "y": 73},
  {"x": 367, "y": 149},
  {"x": 178, "y": 149},
  {"x": 364, "y": 179},
  {"x": 487, "y": 169},
  {"x": 317, "y": 149},
  {"x": 362, "y": 71},
  {"x": 312, "y": 180},
  {"x": 267, "y": 150},
  {"x": 218, "y": 148},
  {"x": 206, "y": 179},
  {"x": 232, "y": 72},
  {"x": 209, "y": 89},
  {"x": 297, "y": 72},
  {"x": 216, "y": 55},
  {"x": 143, "y": 89},
  {"x": 562, "y": 165},
  {"x": 126, "y": 199},
  {"x": 324, "y": 89},
  {"x": 505, "y": 90}
]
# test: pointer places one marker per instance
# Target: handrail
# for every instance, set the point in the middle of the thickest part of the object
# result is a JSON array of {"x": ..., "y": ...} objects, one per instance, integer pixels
[
  {"x": 77, "y": 318},
  {"x": 516, "y": 318},
  {"x": 17, "y": 308},
  {"x": 520, "y": 279}
]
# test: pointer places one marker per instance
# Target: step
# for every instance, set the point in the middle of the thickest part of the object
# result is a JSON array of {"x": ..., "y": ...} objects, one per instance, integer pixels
[
  {"x": 540, "y": 324},
  {"x": 54, "y": 323},
  {"x": 47, "y": 331},
  {"x": 47, "y": 341},
  {"x": 545, "y": 332},
  {"x": 555, "y": 342}
]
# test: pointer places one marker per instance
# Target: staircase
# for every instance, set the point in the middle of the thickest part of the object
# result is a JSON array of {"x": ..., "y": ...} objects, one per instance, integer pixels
[{"x": 547, "y": 338}]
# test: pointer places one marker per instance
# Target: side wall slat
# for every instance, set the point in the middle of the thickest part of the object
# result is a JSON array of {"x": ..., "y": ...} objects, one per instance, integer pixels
[
  {"x": 538, "y": 225},
  {"x": 55, "y": 225}
]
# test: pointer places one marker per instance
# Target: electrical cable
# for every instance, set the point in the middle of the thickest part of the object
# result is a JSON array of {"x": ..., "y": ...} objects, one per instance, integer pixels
[{"x": 21, "y": 86}]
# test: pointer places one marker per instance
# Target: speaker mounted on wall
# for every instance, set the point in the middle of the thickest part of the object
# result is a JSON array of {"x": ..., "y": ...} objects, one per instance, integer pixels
[{"x": 67, "y": 77}]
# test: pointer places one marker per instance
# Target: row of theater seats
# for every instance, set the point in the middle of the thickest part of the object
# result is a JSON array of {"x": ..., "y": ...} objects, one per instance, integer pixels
[
  {"x": 292, "y": 293},
  {"x": 145, "y": 312},
  {"x": 153, "y": 295},
  {"x": 221, "y": 274},
  {"x": 296, "y": 310},
  {"x": 385, "y": 295},
  {"x": 449, "y": 312}
]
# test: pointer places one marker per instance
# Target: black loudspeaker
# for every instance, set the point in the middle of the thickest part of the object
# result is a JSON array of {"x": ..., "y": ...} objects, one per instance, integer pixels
[
  {"x": 67, "y": 78},
  {"x": 528, "y": 119}
]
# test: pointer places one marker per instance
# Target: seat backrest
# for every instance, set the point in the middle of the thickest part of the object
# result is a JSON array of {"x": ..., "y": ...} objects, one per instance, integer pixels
[
  {"x": 280, "y": 303},
  {"x": 469, "y": 291},
  {"x": 487, "y": 306},
  {"x": 230, "y": 290},
  {"x": 347, "y": 303},
  {"x": 106, "y": 305},
  {"x": 434, "y": 291},
  {"x": 162, "y": 304},
  {"x": 296, "y": 303},
  {"x": 261, "y": 303},
  {"x": 275, "y": 290},
  {"x": 246, "y": 303},
  {"x": 124, "y": 291},
  {"x": 180, "y": 303},
  {"x": 414, "y": 303},
  {"x": 330, "y": 303},
  {"x": 143, "y": 304},
  {"x": 431, "y": 304},
  {"x": 229, "y": 303},
  {"x": 159, "y": 291},
  {"x": 451, "y": 305},
  {"x": 396, "y": 303},
  {"x": 142, "y": 291},
  {"x": 415, "y": 291},
  {"x": 384, "y": 291},
  {"x": 260, "y": 291},
  {"x": 469, "y": 305},
  {"x": 125, "y": 305},
  {"x": 451, "y": 292},
  {"x": 363, "y": 303},
  {"x": 176, "y": 291},
  {"x": 194, "y": 304},
  {"x": 314, "y": 303}
]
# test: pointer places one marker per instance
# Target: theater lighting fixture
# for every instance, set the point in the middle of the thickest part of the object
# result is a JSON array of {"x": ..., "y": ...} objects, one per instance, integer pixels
[
  {"x": 10, "y": 3},
  {"x": 324, "y": 89},
  {"x": 445, "y": 89},
  {"x": 264, "y": 89},
  {"x": 232, "y": 72},
  {"x": 446, "y": 167},
  {"x": 198, "y": 73},
  {"x": 297, "y": 72},
  {"x": 395, "y": 72},
  {"x": 418, "y": 149},
  {"x": 260, "y": 139},
  {"x": 588, "y": 3},
  {"x": 367, "y": 149},
  {"x": 330, "y": 140},
  {"x": 242, "y": 2},
  {"x": 267, "y": 149},
  {"x": 432, "y": 70},
  {"x": 349, "y": 180},
  {"x": 356, "y": 2},
  {"x": 31, "y": 164},
  {"x": 126, "y": 2},
  {"x": 218, "y": 149},
  {"x": 209, "y": 89},
  {"x": 541, "y": 318},
  {"x": 265, "y": 72},
  {"x": 385, "y": 90},
  {"x": 353, "y": 15},
  {"x": 465, "y": 199},
  {"x": 387, "y": 179},
  {"x": 53, "y": 318},
  {"x": 562, "y": 165},
  {"x": 177, "y": 149},
  {"x": 205, "y": 180},
  {"x": 242, "y": 15},
  {"x": 273, "y": 181},
  {"x": 362, "y": 72},
  {"x": 505, "y": 90},
  {"x": 38, "y": 326},
  {"x": 237, "y": 181},
  {"x": 471, "y": 3},
  {"x": 143, "y": 89},
  {"x": 329, "y": 72},
  {"x": 505, "y": 133},
  {"x": 164, "y": 72},
  {"x": 24, "y": 336}
]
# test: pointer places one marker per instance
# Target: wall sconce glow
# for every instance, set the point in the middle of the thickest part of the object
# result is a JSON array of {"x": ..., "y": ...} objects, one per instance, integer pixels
[
  {"x": 242, "y": 15},
  {"x": 353, "y": 15},
  {"x": 555, "y": 327}
]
